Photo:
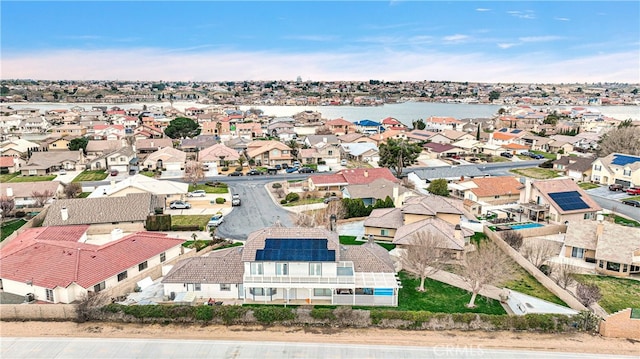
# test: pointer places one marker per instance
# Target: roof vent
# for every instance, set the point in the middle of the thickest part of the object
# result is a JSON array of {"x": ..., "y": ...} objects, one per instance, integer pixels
[{"x": 64, "y": 213}]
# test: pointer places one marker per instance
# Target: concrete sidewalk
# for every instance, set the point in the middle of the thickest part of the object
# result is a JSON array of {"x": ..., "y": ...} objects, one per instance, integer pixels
[{"x": 455, "y": 280}]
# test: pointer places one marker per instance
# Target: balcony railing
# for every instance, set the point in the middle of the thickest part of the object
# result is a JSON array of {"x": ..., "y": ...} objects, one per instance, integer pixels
[{"x": 298, "y": 280}]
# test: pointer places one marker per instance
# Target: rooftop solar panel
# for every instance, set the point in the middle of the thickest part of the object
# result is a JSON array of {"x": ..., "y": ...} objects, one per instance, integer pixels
[
  {"x": 569, "y": 201},
  {"x": 623, "y": 160},
  {"x": 287, "y": 249}
]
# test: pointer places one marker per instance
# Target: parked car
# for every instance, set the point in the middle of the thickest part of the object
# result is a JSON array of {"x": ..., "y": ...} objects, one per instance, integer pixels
[
  {"x": 331, "y": 199},
  {"x": 296, "y": 164},
  {"x": 278, "y": 167},
  {"x": 62, "y": 172},
  {"x": 216, "y": 220},
  {"x": 343, "y": 163},
  {"x": 179, "y": 205},
  {"x": 306, "y": 170},
  {"x": 616, "y": 187},
  {"x": 114, "y": 172},
  {"x": 197, "y": 193},
  {"x": 254, "y": 172},
  {"x": 235, "y": 174},
  {"x": 631, "y": 202},
  {"x": 506, "y": 154},
  {"x": 537, "y": 156},
  {"x": 633, "y": 190},
  {"x": 291, "y": 169},
  {"x": 235, "y": 200},
  {"x": 526, "y": 153}
]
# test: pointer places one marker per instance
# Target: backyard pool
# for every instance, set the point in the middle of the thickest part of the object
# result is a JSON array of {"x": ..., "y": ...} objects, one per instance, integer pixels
[{"x": 526, "y": 225}]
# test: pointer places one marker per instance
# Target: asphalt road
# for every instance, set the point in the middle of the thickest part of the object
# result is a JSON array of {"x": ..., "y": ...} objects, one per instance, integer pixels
[{"x": 57, "y": 348}]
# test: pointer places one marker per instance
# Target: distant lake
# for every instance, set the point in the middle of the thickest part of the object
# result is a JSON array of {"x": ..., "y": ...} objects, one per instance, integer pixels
[{"x": 405, "y": 112}]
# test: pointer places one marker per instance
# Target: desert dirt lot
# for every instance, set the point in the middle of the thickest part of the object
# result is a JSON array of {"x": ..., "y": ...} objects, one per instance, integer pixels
[{"x": 585, "y": 343}]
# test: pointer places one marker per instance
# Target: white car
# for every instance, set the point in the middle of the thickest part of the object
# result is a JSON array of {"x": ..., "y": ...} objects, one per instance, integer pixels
[
  {"x": 343, "y": 163},
  {"x": 197, "y": 193},
  {"x": 216, "y": 220}
]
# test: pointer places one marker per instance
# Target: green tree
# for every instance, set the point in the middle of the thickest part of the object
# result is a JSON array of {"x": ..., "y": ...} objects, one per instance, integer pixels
[
  {"x": 182, "y": 127},
  {"x": 478, "y": 133},
  {"x": 396, "y": 154},
  {"x": 439, "y": 187},
  {"x": 419, "y": 124},
  {"x": 494, "y": 95},
  {"x": 78, "y": 143}
]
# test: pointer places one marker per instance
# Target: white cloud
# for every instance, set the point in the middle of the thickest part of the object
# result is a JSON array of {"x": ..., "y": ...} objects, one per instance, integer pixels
[
  {"x": 481, "y": 9},
  {"x": 546, "y": 38},
  {"x": 507, "y": 45},
  {"x": 211, "y": 65},
  {"x": 457, "y": 38},
  {"x": 562, "y": 19},
  {"x": 527, "y": 14},
  {"x": 318, "y": 38}
]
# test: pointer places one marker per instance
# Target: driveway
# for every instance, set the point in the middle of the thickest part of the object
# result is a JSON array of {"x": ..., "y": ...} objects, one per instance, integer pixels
[{"x": 603, "y": 191}]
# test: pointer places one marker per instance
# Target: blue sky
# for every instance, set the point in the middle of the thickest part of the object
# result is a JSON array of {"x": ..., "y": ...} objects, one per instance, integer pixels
[{"x": 510, "y": 41}]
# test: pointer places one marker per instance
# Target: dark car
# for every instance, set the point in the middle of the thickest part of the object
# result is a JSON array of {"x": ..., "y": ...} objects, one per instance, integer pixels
[
  {"x": 254, "y": 173},
  {"x": 306, "y": 170},
  {"x": 236, "y": 173},
  {"x": 331, "y": 199},
  {"x": 278, "y": 167},
  {"x": 631, "y": 202},
  {"x": 506, "y": 154},
  {"x": 616, "y": 187},
  {"x": 537, "y": 156}
]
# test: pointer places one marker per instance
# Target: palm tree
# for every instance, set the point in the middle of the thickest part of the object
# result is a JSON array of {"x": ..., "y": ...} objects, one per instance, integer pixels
[{"x": 294, "y": 145}]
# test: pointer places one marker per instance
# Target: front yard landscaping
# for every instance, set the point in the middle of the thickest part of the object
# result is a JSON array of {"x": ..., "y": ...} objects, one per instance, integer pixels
[
  {"x": 15, "y": 179},
  {"x": 351, "y": 240},
  {"x": 10, "y": 227},
  {"x": 98, "y": 175},
  {"x": 547, "y": 155},
  {"x": 302, "y": 201},
  {"x": 617, "y": 293},
  {"x": 188, "y": 221},
  {"x": 536, "y": 173},
  {"x": 587, "y": 185},
  {"x": 8, "y": 176},
  {"x": 624, "y": 221},
  {"x": 215, "y": 188}
]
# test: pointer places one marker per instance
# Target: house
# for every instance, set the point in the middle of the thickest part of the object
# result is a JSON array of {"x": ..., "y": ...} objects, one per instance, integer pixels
[
  {"x": 355, "y": 137},
  {"x": 468, "y": 145},
  {"x": 391, "y": 123},
  {"x": 54, "y": 143},
  {"x": 454, "y": 135},
  {"x": 336, "y": 181},
  {"x": 438, "y": 124},
  {"x": 249, "y": 130},
  {"x": 140, "y": 184},
  {"x": 218, "y": 155},
  {"x": 9, "y": 164},
  {"x": 558, "y": 201},
  {"x": 340, "y": 126},
  {"x": 147, "y": 131},
  {"x": 269, "y": 153},
  {"x": 386, "y": 135},
  {"x": 368, "y": 127},
  {"x": 434, "y": 214},
  {"x": 616, "y": 168},
  {"x": 17, "y": 147},
  {"x": 69, "y": 130},
  {"x": 99, "y": 148},
  {"x": 197, "y": 143},
  {"x": 613, "y": 248},
  {"x": 438, "y": 150},
  {"x": 63, "y": 264},
  {"x": 449, "y": 173},
  {"x": 104, "y": 214},
  {"x": 31, "y": 194},
  {"x": 118, "y": 160},
  {"x": 416, "y": 135},
  {"x": 327, "y": 149},
  {"x": 379, "y": 189},
  {"x": 108, "y": 132},
  {"x": 536, "y": 143},
  {"x": 217, "y": 276},
  {"x": 148, "y": 145},
  {"x": 309, "y": 265},
  {"x": 488, "y": 191},
  {"x": 167, "y": 158},
  {"x": 577, "y": 168},
  {"x": 220, "y": 128},
  {"x": 42, "y": 163},
  {"x": 362, "y": 152}
]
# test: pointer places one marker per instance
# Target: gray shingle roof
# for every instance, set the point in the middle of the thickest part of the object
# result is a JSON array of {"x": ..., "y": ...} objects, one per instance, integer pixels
[
  {"x": 448, "y": 172},
  {"x": 224, "y": 266},
  {"x": 369, "y": 257},
  {"x": 134, "y": 207}
]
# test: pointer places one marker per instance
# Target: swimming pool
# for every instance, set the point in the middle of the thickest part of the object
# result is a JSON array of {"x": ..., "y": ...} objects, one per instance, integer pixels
[{"x": 526, "y": 225}]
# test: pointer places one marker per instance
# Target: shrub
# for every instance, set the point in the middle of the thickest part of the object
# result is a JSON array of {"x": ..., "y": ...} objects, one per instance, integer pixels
[
  {"x": 270, "y": 314},
  {"x": 283, "y": 201},
  {"x": 185, "y": 228},
  {"x": 322, "y": 314},
  {"x": 239, "y": 168},
  {"x": 224, "y": 169},
  {"x": 220, "y": 200},
  {"x": 292, "y": 197},
  {"x": 513, "y": 238},
  {"x": 20, "y": 214},
  {"x": 229, "y": 314},
  {"x": 276, "y": 185},
  {"x": 204, "y": 313}
]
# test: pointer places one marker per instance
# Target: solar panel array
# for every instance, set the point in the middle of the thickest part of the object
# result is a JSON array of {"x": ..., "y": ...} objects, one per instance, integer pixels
[
  {"x": 623, "y": 160},
  {"x": 569, "y": 201},
  {"x": 301, "y": 250},
  {"x": 516, "y": 131}
]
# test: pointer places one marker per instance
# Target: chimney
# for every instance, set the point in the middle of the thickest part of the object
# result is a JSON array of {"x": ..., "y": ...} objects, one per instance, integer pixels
[
  {"x": 324, "y": 139},
  {"x": 64, "y": 213},
  {"x": 491, "y": 138},
  {"x": 395, "y": 193},
  {"x": 366, "y": 173},
  {"x": 9, "y": 192},
  {"x": 457, "y": 233},
  {"x": 116, "y": 234},
  {"x": 151, "y": 144}
]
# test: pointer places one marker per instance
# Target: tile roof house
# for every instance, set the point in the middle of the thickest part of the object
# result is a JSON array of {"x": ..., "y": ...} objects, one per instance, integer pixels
[
  {"x": 336, "y": 181},
  {"x": 197, "y": 143},
  {"x": 61, "y": 265},
  {"x": 217, "y": 154},
  {"x": 9, "y": 164},
  {"x": 140, "y": 184},
  {"x": 167, "y": 158},
  {"x": 23, "y": 192},
  {"x": 354, "y": 137},
  {"x": 577, "y": 168},
  {"x": 489, "y": 191},
  {"x": 558, "y": 200},
  {"x": 617, "y": 168},
  {"x": 128, "y": 213},
  {"x": 340, "y": 126},
  {"x": 42, "y": 163},
  {"x": 269, "y": 153},
  {"x": 362, "y": 152},
  {"x": 420, "y": 135},
  {"x": 309, "y": 265},
  {"x": 97, "y": 148},
  {"x": 147, "y": 145},
  {"x": 379, "y": 189},
  {"x": 614, "y": 248},
  {"x": 441, "y": 150},
  {"x": 17, "y": 147}
]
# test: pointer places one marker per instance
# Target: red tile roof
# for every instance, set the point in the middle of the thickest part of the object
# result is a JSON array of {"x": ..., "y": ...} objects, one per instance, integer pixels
[
  {"x": 339, "y": 122},
  {"x": 502, "y": 136},
  {"x": 6, "y": 161},
  {"x": 496, "y": 186},
  {"x": 54, "y": 258}
]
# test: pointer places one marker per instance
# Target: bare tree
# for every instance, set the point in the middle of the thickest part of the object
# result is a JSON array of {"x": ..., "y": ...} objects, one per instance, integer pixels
[
  {"x": 41, "y": 197},
  {"x": 89, "y": 304},
  {"x": 588, "y": 294},
  {"x": 193, "y": 172},
  {"x": 323, "y": 130},
  {"x": 488, "y": 265},
  {"x": 423, "y": 257},
  {"x": 71, "y": 190},
  {"x": 7, "y": 204},
  {"x": 320, "y": 217},
  {"x": 620, "y": 140},
  {"x": 563, "y": 275},
  {"x": 537, "y": 253},
  {"x": 513, "y": 238}
]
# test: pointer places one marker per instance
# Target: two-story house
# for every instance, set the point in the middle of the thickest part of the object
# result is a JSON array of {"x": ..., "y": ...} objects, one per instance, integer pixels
[
  {"x": 559, "y": 201},
  {"x": 577, "y": 168},
  {"x": 487, "y": 191},
  {"x": 616, "y": 168},
  {"x": 340, "y": 126},
  {"x": 269, "y": 153}
]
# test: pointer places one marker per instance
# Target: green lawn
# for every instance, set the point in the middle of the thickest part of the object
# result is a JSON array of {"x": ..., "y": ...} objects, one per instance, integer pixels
[
  {"x": 439, "y": 297},
  {"x": 8, "y": 176},
  {"x": 31, "y": 179},
  {"x": 91, "y": 176},
  {"x": 352, "y": 240},
  {"x": 304, "y": 201},
  {"x": 209, "y": 189},
  {"x": 10, "y": 227},
  {"x": 617, "y": 293},
  {"x": 587, "y": 185},
  {"x": 624, "y": 221},
  {"x": 547, "y": 155},
  {"x": 536, "y": 172},
  {"x": 147, "y": 173},
  {"x": 635, "y": 198},
  {"x": 187, "y": 220},
  {"x": 84, "y": 194}
]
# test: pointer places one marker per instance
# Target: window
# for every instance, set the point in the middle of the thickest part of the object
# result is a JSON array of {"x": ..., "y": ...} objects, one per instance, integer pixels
[
  {"x": 613, "y": 266},
  {"x": 330, "y": 152},
  {"x": 282, "y": 269},
  {"x": 627, "y": 172},
  {"x": 496, "y": 197},
  {"x": 597, "y": 167},
  {"x": 98, "y": 287},
  {"x": 49, "y": 295},
  {"x": 261, "y": 291},
  {"x": 601, "y": 264},
  {"x": 256, "y": 269},
  {"x": 322, "y": 292},
  {"x": 163, "y": 257},
  {"x": 577, "y": 252},
  {"x": 142, "y": 266},
  {"x": 225, "y": 287},
  {"x": 197, "y": 287},
  {"x": 315, "y": 269},
  {"x": 122, "y": 276},
  {"x": 384, "y": 232},
  {"x": 624, "y": 268}
]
